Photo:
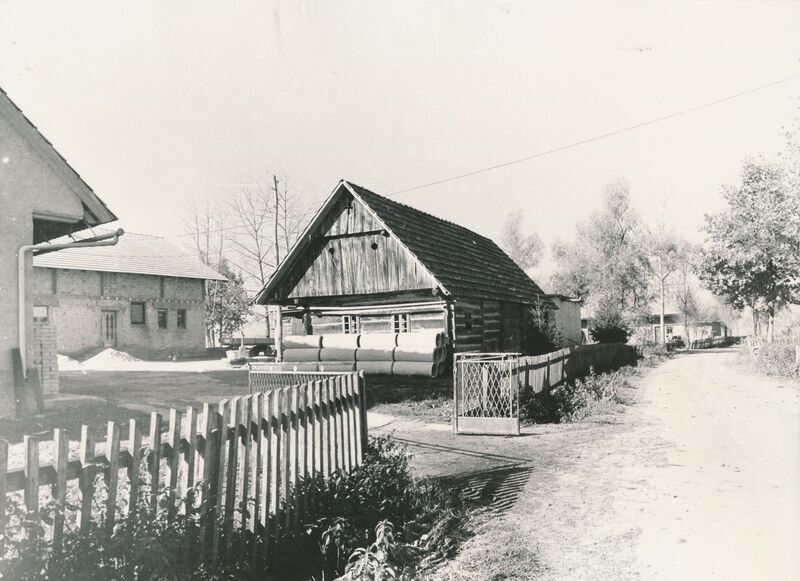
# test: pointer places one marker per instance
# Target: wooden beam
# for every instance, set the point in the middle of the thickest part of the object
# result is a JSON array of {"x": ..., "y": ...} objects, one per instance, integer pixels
[{"x": 382, "y": 232}]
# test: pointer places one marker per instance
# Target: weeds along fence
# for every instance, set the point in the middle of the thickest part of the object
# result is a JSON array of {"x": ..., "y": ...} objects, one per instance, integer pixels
[
  {"x": 237, "y": 463},
  {"x": 545, "y": 372}
]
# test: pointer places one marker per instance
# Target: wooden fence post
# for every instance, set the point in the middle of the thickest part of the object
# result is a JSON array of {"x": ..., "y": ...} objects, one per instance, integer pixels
[
  {"x": 87, "y": 455},
  {"x": 189, "y": 461},
  {"x": 31, "y": 466},
  {"x": 245, "y": 449},
  {"x": 205, "y": 461},
  {"x": 3, "y": 489},
  {"x": 135, "y": 450},
  {"x": 256, "y": 411},
  {"x": 112, "y": 476},
  {"x": 155, "y": 460},
  {"x": 173, "y": 460},
  {"x": 363, "y": 404},
  {"x": 59, "y": 489},
  {"x": 219, "y": 481},
  {"x": 283, "y": 407},
  {"x": 233, "y": 435}
]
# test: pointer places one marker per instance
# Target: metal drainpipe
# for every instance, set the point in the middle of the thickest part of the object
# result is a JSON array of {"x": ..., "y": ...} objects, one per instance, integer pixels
[{"x": 103, "y": 240}]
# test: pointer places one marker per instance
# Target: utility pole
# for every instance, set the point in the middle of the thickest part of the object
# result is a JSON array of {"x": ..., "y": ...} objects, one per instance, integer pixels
[
  {"x": 278, "y": 314},
  {"x": 661, "y": 278}
]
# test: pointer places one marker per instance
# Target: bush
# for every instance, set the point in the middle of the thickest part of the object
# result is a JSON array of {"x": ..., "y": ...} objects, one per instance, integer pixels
[
  {"x": 425, "y": 522},
  {"x": 571, "y": 401},
  {"x": 609, "y": 333},
  {"x": 609, "y": 327},
  {"x": 139, "y": 547},
  {"x": 651, "y": 353},
  {"x": 778, "y": 358}
]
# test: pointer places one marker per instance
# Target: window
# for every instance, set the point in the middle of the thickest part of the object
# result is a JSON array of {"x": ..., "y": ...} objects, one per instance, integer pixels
[
  {"x": 162, "y": 318},
  {"x": 669, "y": 329},
  {"x": 181, "y": 318},
  {"x": 349, "y": 324},
  {"x": 468, "y": 321},
  {"x": 137, "y": 314},
  {"x": 400, "y": 323},
  {"x": 40, "y": 313}
]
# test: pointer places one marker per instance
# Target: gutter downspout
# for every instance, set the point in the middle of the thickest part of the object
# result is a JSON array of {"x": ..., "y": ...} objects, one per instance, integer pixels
[{"x": 103, "y": 240}]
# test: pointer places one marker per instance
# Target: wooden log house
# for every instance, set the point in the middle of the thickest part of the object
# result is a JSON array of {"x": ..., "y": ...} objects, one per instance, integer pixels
[{"x": 368, "y": 264}]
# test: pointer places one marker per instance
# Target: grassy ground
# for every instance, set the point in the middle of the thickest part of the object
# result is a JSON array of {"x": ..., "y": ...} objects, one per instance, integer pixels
[{"x": 420, "y": 397}]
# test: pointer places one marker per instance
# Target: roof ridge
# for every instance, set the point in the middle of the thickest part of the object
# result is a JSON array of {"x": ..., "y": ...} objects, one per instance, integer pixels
[{"x": 418, "y": 211}]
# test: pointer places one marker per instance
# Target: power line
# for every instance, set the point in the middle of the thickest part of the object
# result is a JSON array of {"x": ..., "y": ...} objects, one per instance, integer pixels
[
  {"x": 596, "y": 137},
  {"x": 555, "y": 149}
]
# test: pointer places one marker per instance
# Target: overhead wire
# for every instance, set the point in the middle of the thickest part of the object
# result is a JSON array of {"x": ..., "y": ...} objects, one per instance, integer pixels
[{"x": 553, "y": 150}]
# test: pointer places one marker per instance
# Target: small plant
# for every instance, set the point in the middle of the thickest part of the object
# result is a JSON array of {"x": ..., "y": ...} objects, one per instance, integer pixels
[
  {"x": 572, "y": 401},
  {"x": 778, "y": 358}
]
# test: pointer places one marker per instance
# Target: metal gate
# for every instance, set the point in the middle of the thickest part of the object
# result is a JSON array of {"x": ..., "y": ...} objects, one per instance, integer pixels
[{"x": 486, "y": 393}]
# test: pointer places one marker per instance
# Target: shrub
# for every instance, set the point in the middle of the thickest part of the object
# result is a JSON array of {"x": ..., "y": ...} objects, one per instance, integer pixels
[
  {"x": 139, "y": 547},
  {"x": 609, "y": 327},
  {"x": 778, "y": 358},
  {"x": 342, "y": 511},
  {"x": 572, "y": 400},
  {"x": 609, "y": 333},
  {"x": 651, "y": 353}
]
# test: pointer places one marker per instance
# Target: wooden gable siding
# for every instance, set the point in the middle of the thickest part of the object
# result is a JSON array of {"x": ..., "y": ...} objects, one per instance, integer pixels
[{"x": 349, "y": 265}]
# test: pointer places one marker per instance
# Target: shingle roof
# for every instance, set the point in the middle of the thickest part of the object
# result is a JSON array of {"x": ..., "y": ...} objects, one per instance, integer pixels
[
  {"x": 464, "y": 262},
  {"x": 134, "y": 253}
]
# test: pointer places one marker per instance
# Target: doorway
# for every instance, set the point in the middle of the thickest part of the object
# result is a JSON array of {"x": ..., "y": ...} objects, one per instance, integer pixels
[{"x": 108, "y": 328}]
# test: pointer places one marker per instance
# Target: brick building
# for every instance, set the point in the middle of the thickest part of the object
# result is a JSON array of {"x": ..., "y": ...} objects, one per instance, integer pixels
[
  {"x": 141, "y": 295},
  {"x": 42, "y": 198}
]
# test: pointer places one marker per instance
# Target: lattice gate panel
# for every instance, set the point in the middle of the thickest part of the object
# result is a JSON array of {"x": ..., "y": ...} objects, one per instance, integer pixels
[{"x": 486, "y": 394}]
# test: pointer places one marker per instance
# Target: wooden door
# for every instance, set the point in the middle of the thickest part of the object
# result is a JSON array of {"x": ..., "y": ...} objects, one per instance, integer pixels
[{"x": 108, "y": 328}]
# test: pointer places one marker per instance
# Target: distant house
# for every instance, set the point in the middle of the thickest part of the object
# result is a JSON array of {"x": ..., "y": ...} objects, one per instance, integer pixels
[
  {"x": 674, "y": 327},
  {"x": 142, "y": 294},
  {"x": 368, "y": 264},
  {"x": 567, "y": 317},
  {"x": 650, "y": 329},
  {"x": 42, "y": 198}
]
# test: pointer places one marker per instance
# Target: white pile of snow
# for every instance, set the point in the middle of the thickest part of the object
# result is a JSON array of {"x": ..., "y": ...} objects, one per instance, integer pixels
[
  {"x": 108, "y": 358},
  {"x": 68, "y": 363}
]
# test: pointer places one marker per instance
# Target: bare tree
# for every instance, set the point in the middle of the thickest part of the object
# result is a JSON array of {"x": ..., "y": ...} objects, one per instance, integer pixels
[
  {"x": 205, "y": 224},
  {"x": 663, "y": 258},
  {"x": 253, "y": 239}
]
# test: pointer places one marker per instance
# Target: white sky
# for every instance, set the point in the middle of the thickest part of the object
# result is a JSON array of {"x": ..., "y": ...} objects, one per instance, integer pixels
[{"x": 157, "y": 103}]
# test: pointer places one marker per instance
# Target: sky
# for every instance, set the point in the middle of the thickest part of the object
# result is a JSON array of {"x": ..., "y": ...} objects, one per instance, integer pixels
[{"x": 162, "y": 104}]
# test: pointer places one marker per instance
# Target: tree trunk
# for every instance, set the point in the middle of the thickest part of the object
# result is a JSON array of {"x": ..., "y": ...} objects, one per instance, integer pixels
[
  {"x": 770, "y": 324},
  {"x": 755, "y": 323},
  {"x": 663, "y": 328}
]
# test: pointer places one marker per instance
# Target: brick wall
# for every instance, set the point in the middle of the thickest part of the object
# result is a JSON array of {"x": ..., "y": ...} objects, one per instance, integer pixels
[
  {"x": 78, "y": 309},
  {"x": 45, "y": 355}
]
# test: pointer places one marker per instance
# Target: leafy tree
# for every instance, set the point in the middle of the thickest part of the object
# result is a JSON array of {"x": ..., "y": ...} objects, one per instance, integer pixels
[
  {"x": 227, "y": 305},
  {"x": 751, "y": 255},
  {"x": 607, "y": 263},
  {"x": 525, "y": 250}
]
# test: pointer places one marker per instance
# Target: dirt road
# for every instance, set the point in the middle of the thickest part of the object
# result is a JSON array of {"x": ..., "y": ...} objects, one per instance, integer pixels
[{"x": 699, "y": 480}]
